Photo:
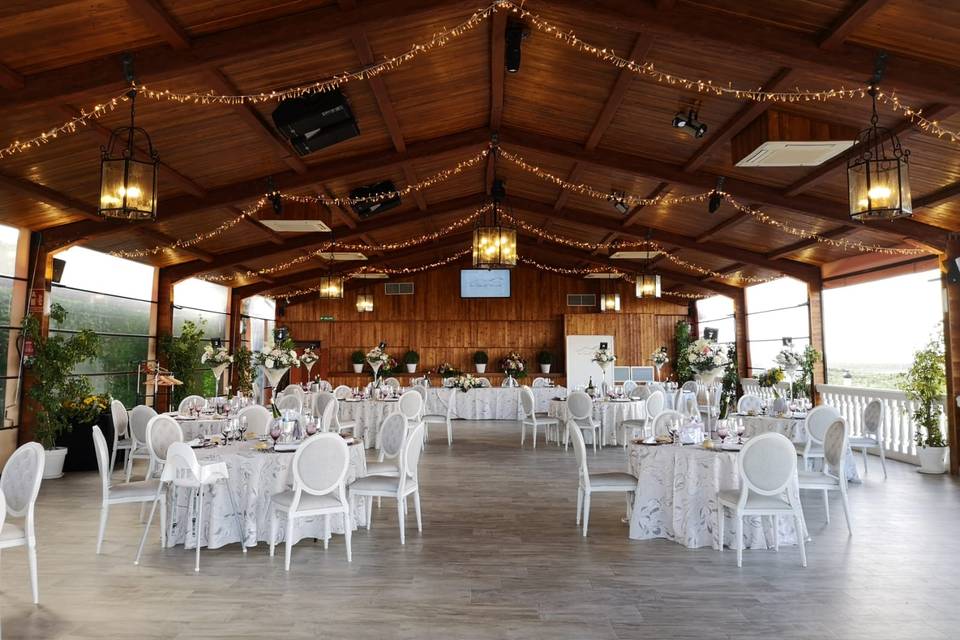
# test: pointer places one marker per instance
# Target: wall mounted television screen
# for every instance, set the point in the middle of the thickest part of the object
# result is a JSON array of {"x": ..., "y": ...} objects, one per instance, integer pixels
[{"x": 484, "y": 283}]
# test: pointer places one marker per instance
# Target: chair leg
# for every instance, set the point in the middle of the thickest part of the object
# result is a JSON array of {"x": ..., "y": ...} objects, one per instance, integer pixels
[
  {"x": 199, "y": 532},
  {"x": 534, "y": 435},
  {"x": 826, "y": 502},
  {"x": 348, "y": 533},
  {"x": 113, "y": 461},
  {"x": 104, "y": 512},
  {"x": 798, "y": 517},
  {"x": 163, "y": 520},
  {"x": 128, "y": 465},
  {"x": 846, "y": 510},
  {"x": 326, "y": 531},
  {"x": 586, "y": 512},
  {"x": 595, "y": 437},
  {"x": 776, "y": 532},
  {"x": 370, "y": 511},
  {"x": 449, "y": 432},
  {"x": 400, "y": 520},
  {"x": 579, "y": 503},
  {"x": 883, "y": 463},
  {"x": 416, "y": 508},
  {"x": 146, "y": 529},
  {"x": 720, "y": 514},
  {"x": 738, "y": 537},
  {"x": 288, "y": 543},
  {"x": 273, "y": 530},
  {"x": 32, "y": 559},
  {"x": 866, "y": 469},
  {"x": 523, "y": 432}
]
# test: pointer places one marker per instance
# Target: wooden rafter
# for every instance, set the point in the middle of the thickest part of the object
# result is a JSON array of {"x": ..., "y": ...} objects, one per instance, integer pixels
[
  {"x": 843, "y": 27},
  {"x": 783, "y": 252},
  {"x": 154, "y": 236},
  {"x": 10, "y": 79},
  {"x": 161, "y": 22},
  {"x": 726, "y": 271},
  {"x": 50, "y": 196},
  {"x": 634, "y": 215},
  {"x": 725, "y": 225}
]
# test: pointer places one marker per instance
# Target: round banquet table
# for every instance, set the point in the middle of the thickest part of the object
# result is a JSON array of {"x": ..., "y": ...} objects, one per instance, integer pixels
[
  {"x": 676, "y": 498},
  {"x": 489, "y": 403},
  {"x": 369, "y": 415},
  {"x": 202, "y": 426},
  {"x": 610, "y": 413},
  {"x": 254, "y": 477}
]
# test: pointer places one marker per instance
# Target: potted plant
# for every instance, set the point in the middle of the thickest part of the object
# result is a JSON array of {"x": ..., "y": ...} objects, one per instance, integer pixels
[
  {"x": 411, "y": 359},
  {"x": 55, "y": 386},
  {"x": 181, "y": 354},
  {"x": 245, "y": 370},
  {"x": 925, "y": 384},
  {"x": 480, "y": 360},
  {"x": 545, "y": 359},
  {"x": 358, "y": 359}
]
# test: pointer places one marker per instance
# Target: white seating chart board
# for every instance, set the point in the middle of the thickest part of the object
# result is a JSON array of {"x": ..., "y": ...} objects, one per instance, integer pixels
[{"x": 579, "y": 359}]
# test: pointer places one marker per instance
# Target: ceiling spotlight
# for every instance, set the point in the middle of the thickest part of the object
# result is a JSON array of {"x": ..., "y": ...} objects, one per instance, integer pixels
[
  {"x": 690, "y": 123},
  {"x": 618, "y": 198},
  {"x": 717, "y": 196},
  {"x": 515, "y": 34},
  {"x": 273, "y": 195}
]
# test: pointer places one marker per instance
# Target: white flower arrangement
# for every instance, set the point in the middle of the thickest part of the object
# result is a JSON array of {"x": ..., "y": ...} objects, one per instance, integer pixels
[
  {"x": 466, "y": 382},
  {"x": 514, "y": 365},
  {"x": 308, "y": 357},
  {"x": 789, "y": 360},
  {"x": 276, "y": 357},
  {"x": 214, "y": 357},
  {"x": 604, "y": 357},
  {"x": 660, "y": 357},
  {"x": 704, "y": 355},
  {"x": 377, "y": 356}
]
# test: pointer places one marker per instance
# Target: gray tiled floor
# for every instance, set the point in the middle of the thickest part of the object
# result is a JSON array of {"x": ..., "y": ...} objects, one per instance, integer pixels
[{"x": 500, "y": 557}]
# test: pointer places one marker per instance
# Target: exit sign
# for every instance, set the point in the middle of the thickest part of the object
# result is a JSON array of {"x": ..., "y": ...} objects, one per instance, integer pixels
[{"x": 326, "y": 318}]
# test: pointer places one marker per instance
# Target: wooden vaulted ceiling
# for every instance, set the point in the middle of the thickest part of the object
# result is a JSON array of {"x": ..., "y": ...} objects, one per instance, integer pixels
[{"x": 566, "y": 112}]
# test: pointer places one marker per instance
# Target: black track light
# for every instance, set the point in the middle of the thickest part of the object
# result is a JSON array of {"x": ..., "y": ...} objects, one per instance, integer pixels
[
  {"x": 717, "y": 196},
  {"x": 690, "y": 123},
  {"x": 618, "y": 198},
  {"x": 515, "y": 34}
]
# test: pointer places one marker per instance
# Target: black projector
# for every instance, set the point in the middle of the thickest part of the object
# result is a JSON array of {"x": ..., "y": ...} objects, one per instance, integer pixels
[
  {"x": 366, "y": 208},
  {"x": 315, "y": 120}
]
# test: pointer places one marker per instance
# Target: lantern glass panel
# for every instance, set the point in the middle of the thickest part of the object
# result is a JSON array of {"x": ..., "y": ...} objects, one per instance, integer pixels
[
  {"x": 128, "y": 189},
  {"x": 879, "y": 189},
  {"x": 364, "y": 303},
  {"x": 648, "y": 286},
  {"x": 331, "y": 288},
  {"x": 494, "y": 247},
  {"x": 609, "y": 302}
]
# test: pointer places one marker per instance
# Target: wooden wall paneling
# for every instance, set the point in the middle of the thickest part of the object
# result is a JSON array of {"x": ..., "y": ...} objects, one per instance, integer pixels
[{"x": 951, "y": 339}]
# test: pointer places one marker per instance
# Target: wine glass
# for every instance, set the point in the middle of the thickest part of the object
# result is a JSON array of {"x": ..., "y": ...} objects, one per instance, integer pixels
[
  {"x": 224, "y": 432},
  {"x": 275, "y": 432},
  {"x": 311, "y": 426},
  {"x": 740, "y": 429},
  {"x": 723, "y": 431},
  {"x": 242, "y": 425}
]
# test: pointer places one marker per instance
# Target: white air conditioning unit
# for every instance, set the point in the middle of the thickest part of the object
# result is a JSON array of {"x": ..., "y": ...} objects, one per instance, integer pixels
[
  {"x": 794, "y": 154},
  {"x": 398, "y": 288},
  {"x": 581, "y": 299}
]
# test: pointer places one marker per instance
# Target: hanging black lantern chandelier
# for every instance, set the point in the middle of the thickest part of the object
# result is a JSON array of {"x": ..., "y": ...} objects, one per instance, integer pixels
[{"x": 494, "y": 244}]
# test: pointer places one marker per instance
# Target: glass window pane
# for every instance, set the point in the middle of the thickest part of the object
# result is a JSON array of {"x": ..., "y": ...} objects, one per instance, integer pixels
[
  {"x": 716, "y": 312},
  {"x": 784, "y": 323},
  {"x": 9, "y": 237},
  {"x": 8, "y": 345},
  {"x": 776, "y": 294},
  {"x": 199, "y": 294},
  {"x": 6, "y": 299},
  {"x": 95, "y": 271},
  {"x": 762, "y": 354},
  {"x": 117, "y": 354},
  {"x": 215, "y": 326},
  {"x": 101, "y": 312},
  {"x": 258, "y": 307}
]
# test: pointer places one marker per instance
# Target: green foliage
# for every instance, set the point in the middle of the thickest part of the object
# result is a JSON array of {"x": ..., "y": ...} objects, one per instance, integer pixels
[
  {"x": 358, "y": 357},
  {"x": 925, "y": 382},
  {"x": 545, "y": 357},
  {"x": 411, "y": 357},
  {"x": 56, "y": 387},
  {"x": 480, "y": 357},
  {"x": 804, "y": 382},
  {"x": 182, "y": 356},
  {"x": 770, "y": 377},
  {"x": 245, "y": 369},
  {"x": 729, "y": 382},
  {"x": 681, "y": 340}
]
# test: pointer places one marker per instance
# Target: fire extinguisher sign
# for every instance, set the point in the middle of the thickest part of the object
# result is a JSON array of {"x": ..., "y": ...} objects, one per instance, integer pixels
[{"x": 36, "y": 301}]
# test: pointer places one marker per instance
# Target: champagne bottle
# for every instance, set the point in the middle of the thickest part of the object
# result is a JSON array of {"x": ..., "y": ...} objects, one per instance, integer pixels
[
  {"x": 274, "y": 410},
  {"x": 591, "y": 390}
]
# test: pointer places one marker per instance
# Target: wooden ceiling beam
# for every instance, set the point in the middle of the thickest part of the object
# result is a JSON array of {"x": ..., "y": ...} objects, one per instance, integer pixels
[
  {"x": 247, "y": 190},
  {"x": 800, "y": 245},
  {"x": 726, "y": 271},
  {"x": 159, "y": 20},
  {"x": 10, "y": 79},
  {"x": 747, "y": 114},
  {"x": 725, "y": 225},
  {"x": 155, "y": 236},
  {"x": 933, "y": 198},
  {"x": 498, "y": 71},
  {"x": 52, "y": 197},
  {"x": 737, "y": 187},
  {"x": 843, "y": 27},
  {"x": 634, "y": 215}
]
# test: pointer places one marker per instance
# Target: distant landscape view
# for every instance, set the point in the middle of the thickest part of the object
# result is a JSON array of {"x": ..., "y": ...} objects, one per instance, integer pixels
[{"x": 872, "y": 376}]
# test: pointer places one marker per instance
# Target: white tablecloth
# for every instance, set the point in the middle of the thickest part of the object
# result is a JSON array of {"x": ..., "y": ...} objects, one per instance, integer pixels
[
  {"x": 492, "y": 403},
  {"x": 203, "y": 426},
  {"x": 676, "y": 498},
  {"x": 254, "y": 477},
  {"x": 610, "y": 413},
  {"x": 369, "y": 415}
]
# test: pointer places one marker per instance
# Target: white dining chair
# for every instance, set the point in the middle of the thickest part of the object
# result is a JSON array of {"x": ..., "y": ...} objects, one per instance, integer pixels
[
  {"x": 127, "y": 493},
  {"x": 319, "y": 470},
  {"x": 443, "y": 419},
  {"x": 580, "y": 416},
  {"x": 189, "y": 401},
  {"x": 833, "y": 476},
  {"x": 484, "y": 383},
  {"x": 399, "y": 487},
  {"x": 121, "y": 439},
  {"x": 815, "y": 424},
  {"x": 410, "y": 406},
  {"x": 393, "y": 429},
  {"x": 162, "y": 431},
  {"x": 691, "y": 386},
  {"x": 532, "y": 419},
  {"x": 140, "y": 416},
  {"x": 295, "y": 390},
  {"x": 749, "y": 403},
  {"x": 540, "y": 382},
  {"x": 323, "y": 385},
  {"x": 321, "y": 399},
  {"x": 590, "y": 483},
  {"x": 767, "y": 466},
  {"x": 640, "y": 392},
  {"x": 290, "y": 402},
  {"x": 750, "y": 386},
  {"x": 258, "y": 419},
  {"x": 628, "y": 387},
  {"x": 342, "y": 392},
  {"x": 652, "y": 405},
  {"x": 872, "y": 438},
  {"x": 181, "y": 470},
  {"x": 20, "y": 484},
  {"x": 392, "y": 382},
  {"x": 665, "y": 421}
]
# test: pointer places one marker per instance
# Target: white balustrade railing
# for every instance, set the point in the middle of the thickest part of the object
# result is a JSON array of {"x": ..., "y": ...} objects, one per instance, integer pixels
[{"x": 898, "y": 427}]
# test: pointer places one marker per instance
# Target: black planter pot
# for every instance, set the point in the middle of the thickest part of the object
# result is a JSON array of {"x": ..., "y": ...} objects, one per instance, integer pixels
[{"x": 81, "y": 454}]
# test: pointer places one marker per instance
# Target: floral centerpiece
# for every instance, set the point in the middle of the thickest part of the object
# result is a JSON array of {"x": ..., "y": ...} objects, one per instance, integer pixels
[
  {"x": 466, "y": 382},
  {"x": 604, "y": 358},
  {"x": 514, "y": 367},
  {"x": 659, "y": 358},
  {"x": 377, "y": 358},
  {"x": 707, "y": 359},
  {"x": 86, "y": 410},
  {"x": 770, "y": 377},
  {"x": 447, "y": 370},
  {"x": 276, "y": 360},
  {"x": 789, "y": 360},
  {"x": 218, "y": 359},
  {"x": 307, "y": 359}
]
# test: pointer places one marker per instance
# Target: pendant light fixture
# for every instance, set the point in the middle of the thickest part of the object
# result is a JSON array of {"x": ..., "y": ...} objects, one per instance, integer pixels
[
  {"x": 330, "y": 288},
  {"x": 494, "y": 244},
  {"x": 365, "y": 302},
  {"x": 609, "y": 302},
  {"x": 648, "y": 284},
  {"x": 128, "y": 170},
  {"x": 878, "y": 177}
]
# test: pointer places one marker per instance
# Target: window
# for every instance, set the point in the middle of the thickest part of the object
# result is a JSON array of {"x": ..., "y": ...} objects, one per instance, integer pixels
[
  {"x": 257, "y": 323},
  {"x": 776, "y": 310},
  {"x": 201, "y": 302},
  {"x": 112, "y": 297},
  {"x": 716, "y": 312},
  {"x": 872, "y": 329},
  {"x": 12, "y": 295}
]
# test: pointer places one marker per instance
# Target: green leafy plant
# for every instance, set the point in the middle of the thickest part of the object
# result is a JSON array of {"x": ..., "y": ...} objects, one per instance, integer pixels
[
  {"x": 925, "y": 382},
  {"x": 729, "y": 382},
  {"x": 358, "y": 357},
  {"x": 411, "y": 357},
  {"x": 480, "y": 357},
  {"x": 803, "y": 385},
  {"x": 770, "y": 377},
  {"x": 681, "y": 341},
  {"x": 56, "y": 387},
  {"x": 245, "y": 369},
  {"x": 182, "y": 356},
  {"x": 545, "y": 357}
]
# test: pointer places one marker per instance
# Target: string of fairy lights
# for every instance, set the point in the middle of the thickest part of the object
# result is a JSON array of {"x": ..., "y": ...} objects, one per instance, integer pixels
[
  {"x": 441, "y": 38},
  {"x": 584, "y": 271}
]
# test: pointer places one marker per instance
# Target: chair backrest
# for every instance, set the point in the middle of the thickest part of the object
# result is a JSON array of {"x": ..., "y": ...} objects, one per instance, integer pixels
[
  {"x": 189, "y": 401},
  {"x": 181, "y": 466},
  {"x": 103, "y": 460},
  {"x": 342, "y": 392},
  {"x": 392, "y": 431},
  {"x": 320, "y": 464},
  {"x": 392, "y": 382},
  {"x": 410, "y": 405},
  {"x": 767, "y": 465},
  {"x": 320, "y": 401},
  {"x": 162, "y": 431},
  {"x": 690, "y": 385},
  {"x": 140, "y": 415},
  {"x": 629, "y": 386},
  {"x": 687, "y": 405},
  {"x": 541, "y": 382},
  {"x": 410, "y": 459},
  {"x": 324, "y": 385},
  {"x": 290, "y": 402},
  {"x": 748, "y": 403},
  {"x": 422, "y": 392},
  {"x": 118, "y": 413},
  {"x": 296, "y": 390},
  {"x": 527, "y": 402},
  {"x": 655, "y": 402},
  {"x": 579, "y": 405},
  {"x": 750, "y": 385},
  {"x": 657, "y": 386},
  {"x": 484, "y": 383},
  {"x": 328, "y": 419},
  {"x": 638, "y": 392},
  {"x": 20, "y": 480},
  {"x": 417, "y": 381},
  {"x": 817, "y": 421},
  {"x": 873, "y": 418},
  {"x": 666, "y": 419},
  {"x": 835, "y": 445},
  {"x": 580, "y": 448},
  {"x": 258, "y": 419}
]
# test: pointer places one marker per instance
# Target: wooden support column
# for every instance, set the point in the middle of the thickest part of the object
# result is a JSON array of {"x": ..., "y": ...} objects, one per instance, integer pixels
[
  {"x": 38, "y": 305},
  {"x": 951, "y": 341},
  {"x": 236, "y": 339},
  {"x": 694, "y": 320},
  {"x": 164, "y": 324},
  {"x": 742, "y": 336},
  {"x": 815, "y": 298}
]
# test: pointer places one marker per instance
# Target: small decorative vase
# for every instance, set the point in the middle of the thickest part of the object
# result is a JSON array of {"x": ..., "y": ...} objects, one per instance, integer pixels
[
  {"x": 309, "y": 366},
  {"x": 481, "y": 367},
  {"x": 510, "y": 381},
  {"x": 603, "y": 379},
  {"x": 274, "y": 376},
  {"x": 933, "y": 460},
  {"x": 376, "y": 371},
  {"x": 358, "y": 367},
  {"x": 710, "y": 376},
  {"x": 411, "y": 368},
  {"x": 544, "y": 368},
  {"x": 218, "y": 370},
  {"x": 658, "y": 366}
]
